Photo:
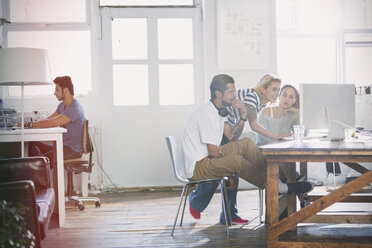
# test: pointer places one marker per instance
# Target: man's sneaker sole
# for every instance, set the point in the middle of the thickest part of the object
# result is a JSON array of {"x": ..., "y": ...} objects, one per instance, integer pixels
[
  {"x": 300, "y": 187},
  {"x": 237, "y": 221}
]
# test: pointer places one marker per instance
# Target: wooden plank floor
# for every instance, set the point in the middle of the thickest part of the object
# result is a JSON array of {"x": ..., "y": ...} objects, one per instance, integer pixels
[{"x": 145, "y": 218}]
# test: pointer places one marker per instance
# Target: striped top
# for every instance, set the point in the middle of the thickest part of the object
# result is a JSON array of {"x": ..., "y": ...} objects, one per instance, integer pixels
[{"x": 248, "y": 97}]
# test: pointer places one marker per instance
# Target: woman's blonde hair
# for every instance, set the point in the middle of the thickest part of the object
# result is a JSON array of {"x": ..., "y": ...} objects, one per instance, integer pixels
[{"x": 265, "y": 82}]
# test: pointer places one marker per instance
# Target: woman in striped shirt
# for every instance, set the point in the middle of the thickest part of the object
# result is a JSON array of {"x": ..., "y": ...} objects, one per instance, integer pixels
[{"x": 267, "y": 90}]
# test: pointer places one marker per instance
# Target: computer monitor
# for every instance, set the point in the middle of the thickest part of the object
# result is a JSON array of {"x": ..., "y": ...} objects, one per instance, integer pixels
[{"x": 328, "y": 106}]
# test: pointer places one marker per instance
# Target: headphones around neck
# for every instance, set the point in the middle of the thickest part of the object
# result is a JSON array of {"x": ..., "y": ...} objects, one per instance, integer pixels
[{"x": 221, "y": 111}]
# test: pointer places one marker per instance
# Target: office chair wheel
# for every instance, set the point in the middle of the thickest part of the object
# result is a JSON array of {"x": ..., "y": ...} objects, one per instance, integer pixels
[
  {"x": 304, "y": 202},
  {"x": 98, "y": 204},
  {"x": 81, "y": 206}
]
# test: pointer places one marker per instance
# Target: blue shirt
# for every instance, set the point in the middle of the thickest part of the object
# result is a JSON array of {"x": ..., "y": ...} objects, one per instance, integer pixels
[{"x": 73, "y": 137}]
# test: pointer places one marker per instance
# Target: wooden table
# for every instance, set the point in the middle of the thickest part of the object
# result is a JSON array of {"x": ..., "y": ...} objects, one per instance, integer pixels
[
  {"x": 349, "y": 153},
  {"x": 45, "y": 134}
]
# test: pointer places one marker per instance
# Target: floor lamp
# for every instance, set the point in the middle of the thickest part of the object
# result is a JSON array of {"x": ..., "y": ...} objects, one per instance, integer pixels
[{"x": 24, "y": 66}]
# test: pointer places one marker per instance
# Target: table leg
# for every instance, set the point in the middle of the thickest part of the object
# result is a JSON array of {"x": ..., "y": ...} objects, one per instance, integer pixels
[
  {"x": 60, "y": 182},
  {"x": 292, "y": 207},
  {"x": 272, "y": 195}
]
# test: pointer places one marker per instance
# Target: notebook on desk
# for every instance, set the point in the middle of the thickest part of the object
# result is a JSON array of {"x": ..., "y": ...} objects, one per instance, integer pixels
[
  {"x": 336, "y": 132},
  {"x": 335, "y": 128}
]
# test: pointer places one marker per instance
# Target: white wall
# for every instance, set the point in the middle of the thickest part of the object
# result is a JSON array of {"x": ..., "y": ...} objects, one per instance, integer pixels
[
  {"x": 1, "y": 32},
  {"x": 1, "y": 16},
  {"x": 243, "y": 79},
  {"x": 124, "y": 148}
]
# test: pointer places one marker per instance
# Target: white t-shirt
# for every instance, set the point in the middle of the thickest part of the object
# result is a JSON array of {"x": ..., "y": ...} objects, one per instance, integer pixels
[{"x": 204, "y": 126}]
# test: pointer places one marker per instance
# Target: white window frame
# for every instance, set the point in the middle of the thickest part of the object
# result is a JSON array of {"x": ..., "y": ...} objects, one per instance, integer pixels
[
  {"x": 153, "y": 62},
  {"x": 339, "y": 36},
  {"x": 54, "y": 26}
]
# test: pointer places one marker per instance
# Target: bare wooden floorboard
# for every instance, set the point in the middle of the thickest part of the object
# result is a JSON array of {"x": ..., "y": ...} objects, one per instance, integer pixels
[{"x": 145, "y": 218}]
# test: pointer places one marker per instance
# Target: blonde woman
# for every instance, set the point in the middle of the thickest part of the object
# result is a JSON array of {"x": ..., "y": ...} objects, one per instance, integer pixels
[{"x": 255, "y": 99}]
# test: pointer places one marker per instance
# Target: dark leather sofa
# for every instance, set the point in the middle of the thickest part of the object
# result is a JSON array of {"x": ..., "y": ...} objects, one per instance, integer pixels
[{"x": 27, "y": 180}]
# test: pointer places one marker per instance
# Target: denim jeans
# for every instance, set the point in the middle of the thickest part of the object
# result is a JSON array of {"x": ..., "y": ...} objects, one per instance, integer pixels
[{"x": 202, "y": 195}]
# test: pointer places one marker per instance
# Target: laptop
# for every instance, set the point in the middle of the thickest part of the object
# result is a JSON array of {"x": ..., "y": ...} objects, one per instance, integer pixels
[{"x": 335, "y": 128}]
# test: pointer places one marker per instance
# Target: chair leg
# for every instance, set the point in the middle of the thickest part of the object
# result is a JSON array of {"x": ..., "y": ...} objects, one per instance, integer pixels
[
  {"x": 70, "y": 184},
  {"x": 260, "y": 207},
  {"x": 179, "y": 207},
  {"x": 226, "y": 207},
  {"x": 227, "y": 204},
  {"x": 184, "y": 205}
]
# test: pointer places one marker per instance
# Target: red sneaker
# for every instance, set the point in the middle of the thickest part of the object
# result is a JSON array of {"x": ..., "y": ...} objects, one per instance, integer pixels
[
  {"x": 240, "y": 221},
  {"x": 194, "y": 213}
]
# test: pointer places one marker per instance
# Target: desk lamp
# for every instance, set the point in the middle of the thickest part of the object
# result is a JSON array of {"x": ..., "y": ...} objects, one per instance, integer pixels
[{"x": 24, "y": 66}]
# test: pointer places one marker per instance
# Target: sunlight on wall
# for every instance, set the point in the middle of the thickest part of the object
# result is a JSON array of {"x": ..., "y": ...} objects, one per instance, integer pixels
[{"x": 69, "y": 54}]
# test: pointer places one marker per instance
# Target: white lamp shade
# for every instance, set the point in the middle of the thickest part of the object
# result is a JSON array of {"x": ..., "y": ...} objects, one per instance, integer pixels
[{"x": 24, "y": 66}]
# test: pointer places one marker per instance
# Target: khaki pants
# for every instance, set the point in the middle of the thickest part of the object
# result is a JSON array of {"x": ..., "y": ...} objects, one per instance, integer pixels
[{"x": 241, "y": 157}]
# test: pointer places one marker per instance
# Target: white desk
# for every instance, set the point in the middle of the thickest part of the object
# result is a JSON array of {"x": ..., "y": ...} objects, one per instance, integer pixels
[{"x": 44, "y": 134}]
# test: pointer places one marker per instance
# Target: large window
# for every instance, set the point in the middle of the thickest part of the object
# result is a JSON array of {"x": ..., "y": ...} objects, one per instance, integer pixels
[
  {"x": 176, "y": 80},
  {"x": 307, "y": 60},
  {"x": 145, "y": 60},
  {"x": 324, "y": 41},
  {"x": 307, "y": 46},
  {"x": 50, "y": 11},
  {"x": 62, "y": 47},
  {"x": 358, "y": 59},
  {"x": 154, "y": 3},
  {"x": 358, "y": 42},
  {"x": 63, "y": 30}
]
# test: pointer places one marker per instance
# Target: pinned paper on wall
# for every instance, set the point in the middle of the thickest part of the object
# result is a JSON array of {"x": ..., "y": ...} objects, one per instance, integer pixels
[{"x": 243, "y": 34}]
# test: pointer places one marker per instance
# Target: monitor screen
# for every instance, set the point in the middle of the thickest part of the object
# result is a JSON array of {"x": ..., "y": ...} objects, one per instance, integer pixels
[{"x": 323, "y": 104}]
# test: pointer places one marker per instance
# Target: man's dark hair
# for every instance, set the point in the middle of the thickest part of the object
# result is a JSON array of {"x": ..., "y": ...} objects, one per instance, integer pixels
[
  {"x": 65, "y": 82},
  {"x": 220, "y": 82}
]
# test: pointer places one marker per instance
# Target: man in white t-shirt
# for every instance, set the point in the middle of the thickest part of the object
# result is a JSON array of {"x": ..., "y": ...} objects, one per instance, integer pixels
[{"x": 203, "y": 134}]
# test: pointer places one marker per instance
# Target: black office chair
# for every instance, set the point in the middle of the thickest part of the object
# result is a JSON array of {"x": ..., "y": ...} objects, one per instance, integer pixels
[{"x": 79, "y": 165}]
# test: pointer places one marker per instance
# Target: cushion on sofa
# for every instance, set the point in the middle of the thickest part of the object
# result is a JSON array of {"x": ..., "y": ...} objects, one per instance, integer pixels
[
  {"x": 23, "y": 192},
  {"x": 33, "y": 168},
  {"x": 37, "y": 170},
  {"x": 45, "y": 201}
]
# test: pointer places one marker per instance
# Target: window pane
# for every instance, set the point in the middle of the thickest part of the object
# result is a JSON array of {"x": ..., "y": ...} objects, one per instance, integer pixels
[
  {"x": 175, "y": 38},
  {"x": 358, "y": 63},
  {"x": 130, "y": 85},
  {"x": 176, "y": 84},
  {"x": 146, "y": 2},
  {"x": 129, "y": 38},
  {"x": 327, "y": 13},
  {"x": 62, "y": 47},
  {"x": 307, "y": 60},
  {"x": 299, "y": 15},
  {"x": 285, "y": 12},
  {"x": 354, "y": 14},
  {"x": 369, "y": 13},
  {"x": 48, "y": 11}
]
